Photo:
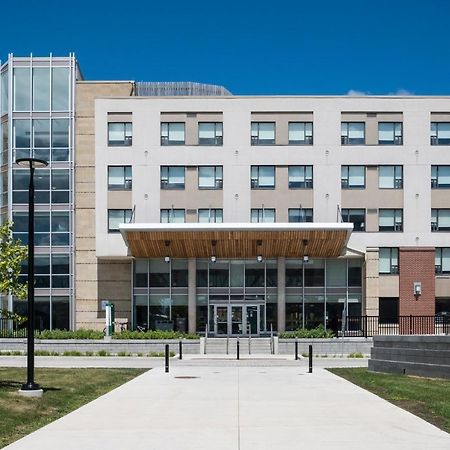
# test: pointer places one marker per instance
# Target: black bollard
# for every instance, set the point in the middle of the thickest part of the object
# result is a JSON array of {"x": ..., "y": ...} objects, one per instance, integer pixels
[
  {"x": 296, "y": 350},
  {"x": 237, "y": 348},
  {"x": 167, "y": 358},
  {"x": 180, "y": 350},
  {"x": 310, "y": 359}
]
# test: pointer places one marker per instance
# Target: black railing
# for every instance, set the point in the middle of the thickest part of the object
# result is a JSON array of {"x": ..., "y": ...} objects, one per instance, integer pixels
[
  {"x": 10, "y": 329},
  {"x": 369, "y": 326}
]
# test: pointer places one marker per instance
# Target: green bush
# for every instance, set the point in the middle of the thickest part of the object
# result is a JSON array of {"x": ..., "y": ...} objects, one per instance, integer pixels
[
  {"x": 356, "y": 355},
  {"x": 124, "y": 354},
  {"x": 154, "y": 334},
  {"x": 303, "y": 333},
  {"x": 103, "y": 353},
  {"x": 160, "y": 354},
  {"x": 65, "y": 334},
  {"x": 89, "y": 353},
  {"x": 72, "y": 353}
]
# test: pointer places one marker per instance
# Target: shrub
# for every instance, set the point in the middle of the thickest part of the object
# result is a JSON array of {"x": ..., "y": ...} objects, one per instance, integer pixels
[
  {"x": 303, "y": 333},
  {"x": 103, "y": 353},
  {"x": 356, "y": 355},
  {"x": 42, "y": 353},
  {"x": 160, "y": 354},
  {"x": 72, "y": 353},
  {"x": 66, "y": 334},
  {"x": 154, "y": 334},
  {"x": 89, "y": 353},
  {"x": 124, "y": 354}
]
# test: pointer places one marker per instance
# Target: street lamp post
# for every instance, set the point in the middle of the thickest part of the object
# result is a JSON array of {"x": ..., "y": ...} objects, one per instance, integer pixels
[{"x": 30, "y": 388}]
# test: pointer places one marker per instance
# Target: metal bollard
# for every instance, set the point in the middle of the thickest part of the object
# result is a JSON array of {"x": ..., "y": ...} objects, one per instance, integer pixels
[
  {"x": 237, "y": 348},
  {"x": 296, "y": 350},
  {"x": 180, "y": 350},
  {"x": 167, "y": 358},
  {"x": 310, "y": 359}
]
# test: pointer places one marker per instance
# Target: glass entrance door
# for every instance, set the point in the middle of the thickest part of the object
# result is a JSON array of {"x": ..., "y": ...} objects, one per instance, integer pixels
[
  {"x": 252, "y": 319},
  {"x": 236, "y": 320},
  {"x": 221, "y": 320}
]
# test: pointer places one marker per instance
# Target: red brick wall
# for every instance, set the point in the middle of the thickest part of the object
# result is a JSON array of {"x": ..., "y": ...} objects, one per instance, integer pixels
[{"x": 417, "y": 264}]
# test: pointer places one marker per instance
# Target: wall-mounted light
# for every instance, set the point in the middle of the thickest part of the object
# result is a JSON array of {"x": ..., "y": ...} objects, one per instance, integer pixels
[
  {"x": 213, "y": 259},
  {"x": 167, "y": 259},
  {"x": 306, "y": 259},
  {"x": 417, "y": 289},
  {"x": 259, "y": 258},
  {"x": 213, "y": 256}
]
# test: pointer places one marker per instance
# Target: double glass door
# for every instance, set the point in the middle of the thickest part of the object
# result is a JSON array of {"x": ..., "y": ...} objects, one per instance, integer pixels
[{"x": 235, "y": 320}]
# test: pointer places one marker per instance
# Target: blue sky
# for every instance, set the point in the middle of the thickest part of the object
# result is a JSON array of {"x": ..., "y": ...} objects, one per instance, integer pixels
[{"x": 251, "y": 47}]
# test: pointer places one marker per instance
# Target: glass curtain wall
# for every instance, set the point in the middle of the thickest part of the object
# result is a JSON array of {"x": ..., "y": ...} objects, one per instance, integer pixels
[
  {"x": 41, "y": 114},
  {"x": 318, "y": 292}
]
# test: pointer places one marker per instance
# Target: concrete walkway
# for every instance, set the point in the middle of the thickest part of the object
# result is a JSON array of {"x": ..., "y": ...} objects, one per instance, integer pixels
[{"x": 197, "y": 407}]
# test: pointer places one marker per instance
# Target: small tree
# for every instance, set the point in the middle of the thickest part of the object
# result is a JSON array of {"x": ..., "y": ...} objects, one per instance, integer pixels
[{"x": 12, "y": 253}]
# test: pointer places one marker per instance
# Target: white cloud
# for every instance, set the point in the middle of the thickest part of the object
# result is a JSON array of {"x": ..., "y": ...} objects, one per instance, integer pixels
[
  {"x": 356, "y": 93},
  {"x": 401, "y": 92}
]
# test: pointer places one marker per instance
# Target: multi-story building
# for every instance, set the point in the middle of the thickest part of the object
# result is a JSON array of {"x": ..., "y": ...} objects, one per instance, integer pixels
[{"x": 199, "y": 210}]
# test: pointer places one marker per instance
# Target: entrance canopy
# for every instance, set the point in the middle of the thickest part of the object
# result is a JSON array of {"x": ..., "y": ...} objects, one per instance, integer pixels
[{"x": 236, "y": 240}]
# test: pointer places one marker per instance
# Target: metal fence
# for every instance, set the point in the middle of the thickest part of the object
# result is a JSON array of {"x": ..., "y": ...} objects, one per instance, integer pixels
[
  {"x": 10, "y": 329},
  {"x": 369, "y": 326}
]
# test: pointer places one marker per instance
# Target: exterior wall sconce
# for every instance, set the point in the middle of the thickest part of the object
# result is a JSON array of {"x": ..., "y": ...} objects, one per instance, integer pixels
[
  {"x": 167, "y": 258},
  {"x": 306, "y": 259},
  {"x": 417, "y": 289},
  {"x": 259, "y": 258},
  {"x": 213, "y": 259}
]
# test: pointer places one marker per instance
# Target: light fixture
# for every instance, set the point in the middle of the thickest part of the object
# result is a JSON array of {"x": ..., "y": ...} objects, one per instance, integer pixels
[
  {"x": 259, "y": 258},
  {"x": 306, "y": 259},
  {"x": 213, "y": 259},
  {"x": 167, "y": 259}
]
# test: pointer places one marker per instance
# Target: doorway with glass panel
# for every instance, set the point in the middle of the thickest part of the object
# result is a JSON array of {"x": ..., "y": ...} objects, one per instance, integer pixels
[{"x": 236, "y": 320}]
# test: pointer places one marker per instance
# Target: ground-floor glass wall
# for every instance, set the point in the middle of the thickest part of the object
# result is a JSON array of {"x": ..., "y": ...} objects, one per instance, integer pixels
[{"x": 240, "y": 297}]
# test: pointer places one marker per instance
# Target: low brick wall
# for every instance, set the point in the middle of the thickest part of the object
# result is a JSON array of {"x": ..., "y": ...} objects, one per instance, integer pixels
[{"x": 113, "y": 346}]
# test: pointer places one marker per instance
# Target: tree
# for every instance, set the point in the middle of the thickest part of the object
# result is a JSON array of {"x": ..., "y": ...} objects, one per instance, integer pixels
[{"x": 12, "y": 253}]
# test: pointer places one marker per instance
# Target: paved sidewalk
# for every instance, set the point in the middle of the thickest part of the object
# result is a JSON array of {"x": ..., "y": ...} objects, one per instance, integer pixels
[{"x": 238, "y": 408}]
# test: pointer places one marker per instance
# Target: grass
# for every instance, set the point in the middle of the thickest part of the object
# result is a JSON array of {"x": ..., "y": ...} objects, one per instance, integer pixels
[
  {"x": 64, "y": 391},
  {"x": 428, "y": 398}
]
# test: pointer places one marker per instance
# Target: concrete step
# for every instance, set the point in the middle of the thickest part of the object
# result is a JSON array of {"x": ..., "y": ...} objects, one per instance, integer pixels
[{"x": 246, "y": 346}]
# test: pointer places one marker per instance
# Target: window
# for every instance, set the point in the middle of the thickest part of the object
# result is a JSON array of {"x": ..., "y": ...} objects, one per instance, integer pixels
[
  {"x": 388, "y": 260},
  {"x": 210, "y": 133},
  {"x": 440, "y": 177},
  {"x": 353, "y": 177},
  {"x": 353, "y": 133},
  {"x": 355, "y": 216},
  {"x": 263, "y": 215},
  {"x": 440, "y": 133},
  {"x": 390, "y": 133},
  {"x": 390, "y": 177},
  {"x": 120, "y": 133},
  {"x": 172, "y": 215},
  {"x": 51, "y": 186},
  {"x": 300, "y": 177},
  {"x": 41, "y": 88},
  {"x": 263, "y": 177},
  {"x": 210, "y": 177},
  {"x": 120, "y": 178},
  {"x": 60, "y": 88},
  {"x": 388, "y": 310},
  {"x": 440, "y": 220},
  {"x": 116, "y": 217},
  {"x": 263, "y": 133},
  {"x": 172, "y": 133},
  {"x": 210, "y": 215},
  {"x": 22, "y": 91},
  {"x": 300, "y": 133},
  {"x": 49, "y": 227},
  {"x": 390, "y": 220},
  {"x": 442, "y": 260},
  {"x": 51, "y": 271},
  {"x": 300, "y": 214},
  {"x": 172, "y": 177}
]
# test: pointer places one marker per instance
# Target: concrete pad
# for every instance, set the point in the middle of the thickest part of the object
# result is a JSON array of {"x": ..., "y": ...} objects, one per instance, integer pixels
[{"x": 238, "y": 407}]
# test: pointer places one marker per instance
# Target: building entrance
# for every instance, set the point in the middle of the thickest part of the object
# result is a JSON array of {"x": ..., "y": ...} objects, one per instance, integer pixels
[{"x": 236, "y": 320}]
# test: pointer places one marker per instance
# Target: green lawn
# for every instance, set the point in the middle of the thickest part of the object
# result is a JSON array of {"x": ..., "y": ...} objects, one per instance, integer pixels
[
  {"x": 428, "y": 398},
  {"x": 64, "y": 391}
]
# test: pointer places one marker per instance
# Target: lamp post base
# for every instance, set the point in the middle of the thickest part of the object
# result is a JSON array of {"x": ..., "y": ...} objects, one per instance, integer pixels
[{"x": 31, "y": 390}]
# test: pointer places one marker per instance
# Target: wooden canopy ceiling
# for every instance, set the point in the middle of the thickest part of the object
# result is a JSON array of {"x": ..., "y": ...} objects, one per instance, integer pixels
[{"x": 236, "y": 240}]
